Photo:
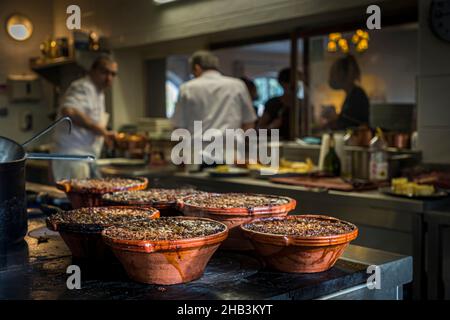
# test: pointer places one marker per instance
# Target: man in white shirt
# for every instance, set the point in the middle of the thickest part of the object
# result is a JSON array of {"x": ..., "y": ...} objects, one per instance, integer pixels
[
  {"x": 84, "y": 103},
  {"x": 220, "y": 102}
]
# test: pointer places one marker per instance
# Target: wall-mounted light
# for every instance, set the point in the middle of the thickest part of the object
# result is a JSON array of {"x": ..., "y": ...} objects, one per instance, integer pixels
[
  {"x": 361, "y": 40},
  {"x": 337, "y": 42},
  {"x": 19, "y": 27}
]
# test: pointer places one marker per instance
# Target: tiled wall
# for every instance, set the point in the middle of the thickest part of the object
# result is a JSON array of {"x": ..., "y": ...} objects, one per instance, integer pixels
[{"x": 433, "y": 92}]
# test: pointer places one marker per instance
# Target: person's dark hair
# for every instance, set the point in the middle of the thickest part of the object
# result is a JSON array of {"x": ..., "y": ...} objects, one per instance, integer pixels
[
  {"x": 205, "y": 59},
  {"x": 349, "y": 67},
  {"x": 100, "y": 60},
  {"x": 248, "y": 82},
  {"x": 284, "y": 76}
]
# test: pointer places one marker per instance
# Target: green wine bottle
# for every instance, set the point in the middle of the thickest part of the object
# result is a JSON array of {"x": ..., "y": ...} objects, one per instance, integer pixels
[{"x": 332, "y": 164}]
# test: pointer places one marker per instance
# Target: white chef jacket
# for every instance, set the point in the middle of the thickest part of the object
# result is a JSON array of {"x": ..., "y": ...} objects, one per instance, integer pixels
[
  {"x": 220, "y": 102},
  {"x": 83, "y": 95}
]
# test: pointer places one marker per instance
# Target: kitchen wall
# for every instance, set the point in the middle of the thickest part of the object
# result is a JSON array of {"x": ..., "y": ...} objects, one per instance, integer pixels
[
  {"x": 251, "y": 62},
  {"x": 14, "y": 57},
  {"x": 433, "y": 92},
  {"x": 149, "y": 31},
  {"x": 140, "y": 22},
  {"x": 128, "y": 98},
  {"x": 235, "y": 62}
]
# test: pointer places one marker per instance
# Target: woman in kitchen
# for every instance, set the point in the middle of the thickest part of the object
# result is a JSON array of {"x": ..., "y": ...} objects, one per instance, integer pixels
[{"x": 345, "y": 74}]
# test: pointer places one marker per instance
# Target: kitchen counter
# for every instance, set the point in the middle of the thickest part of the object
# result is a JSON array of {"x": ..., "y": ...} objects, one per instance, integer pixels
[
  {"x": 387, "y": 223},
  {"x": 369, "y": 198},
  {"x": 36, "y": 269}
]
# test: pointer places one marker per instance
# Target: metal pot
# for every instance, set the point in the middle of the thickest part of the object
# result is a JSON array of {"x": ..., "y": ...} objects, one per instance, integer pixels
[
  {"x": 13, "y": 204},
  {"x": 359, "y": 161},
  {"x": 398, "y": 140}
]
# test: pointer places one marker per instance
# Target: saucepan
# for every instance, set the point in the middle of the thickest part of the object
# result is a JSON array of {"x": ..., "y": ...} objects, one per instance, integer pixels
[{"x": 13, "y": 204}]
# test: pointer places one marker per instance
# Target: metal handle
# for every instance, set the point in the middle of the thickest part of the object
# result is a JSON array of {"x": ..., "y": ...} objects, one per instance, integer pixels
[
  {"x": 57, "y": 156},
  {"x": 50, "y": 127}
]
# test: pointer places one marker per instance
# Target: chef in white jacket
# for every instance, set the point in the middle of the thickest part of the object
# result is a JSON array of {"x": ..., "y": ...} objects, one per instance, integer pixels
[
  {"x": 220, "y": 102},
  {"x": 84, "y": 103}
]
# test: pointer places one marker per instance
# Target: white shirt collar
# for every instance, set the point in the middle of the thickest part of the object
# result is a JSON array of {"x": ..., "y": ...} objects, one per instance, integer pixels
[{"x": 211, "y": 74}]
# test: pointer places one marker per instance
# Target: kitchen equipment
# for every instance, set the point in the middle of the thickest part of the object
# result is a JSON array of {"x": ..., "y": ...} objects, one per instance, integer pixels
[
  {"x": 13, "y": 206},
  {"x": 359, "y": 157},
  {"x": 91, "y": 196},
  {"x": 362, "y": 136},
  {"x": 303, "y": 254},
  {"x": 398, "y": 140},
  {"x": 397, "y": 161},
  {"x": 169, "y": 261},
  {"x": 165, "y": 200},
  {"x": 236, "y": 214},
  {"x": 396, "y": 120},
  {"x": 84, "y": 239}
]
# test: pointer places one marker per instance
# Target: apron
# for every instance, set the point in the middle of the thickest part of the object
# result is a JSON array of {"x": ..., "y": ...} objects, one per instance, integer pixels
[{"x": 80, "y": 169}]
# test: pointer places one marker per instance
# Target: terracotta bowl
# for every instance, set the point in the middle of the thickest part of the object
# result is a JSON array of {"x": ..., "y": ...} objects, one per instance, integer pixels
[
  {"x": 167, "y": 208},
  {"x": 89, "y": 197},
  {"x": 234, "y": 217},
  {"x": 166, "y": 262},
  {"x": 300, "y": 254},
  {"x": 85, "y": 240}
]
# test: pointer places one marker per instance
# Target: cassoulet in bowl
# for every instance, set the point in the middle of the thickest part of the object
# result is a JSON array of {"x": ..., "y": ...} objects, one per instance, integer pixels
[
  {"x": 233, "y": 209},
  {"x": 304, "y": 243},
  {"x": 81, "y": 228},
  {"x": 166, "y": 251},
  {"x": 165, "y": 200},
  {"x": 89, "y": 192}
]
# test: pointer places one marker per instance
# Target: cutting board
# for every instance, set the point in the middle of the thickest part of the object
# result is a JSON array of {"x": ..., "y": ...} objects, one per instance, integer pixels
[{"x": 334, "y": 183}]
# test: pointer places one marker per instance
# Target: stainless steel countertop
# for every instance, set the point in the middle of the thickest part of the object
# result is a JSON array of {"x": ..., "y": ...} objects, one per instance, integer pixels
[{"x": 368, "y": 198}]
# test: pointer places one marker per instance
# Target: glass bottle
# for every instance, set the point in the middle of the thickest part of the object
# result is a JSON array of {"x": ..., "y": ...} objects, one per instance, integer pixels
[
  {"x": 347, "y": 158},
  {"x": 332, "y": 164},
  {"x": 379, "y": 167}
]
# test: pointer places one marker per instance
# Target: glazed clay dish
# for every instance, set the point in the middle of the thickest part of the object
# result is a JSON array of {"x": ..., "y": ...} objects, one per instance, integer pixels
[
  {"x": 89, "y": 192},
  {"x": 165, "y": 200},
  {"x": 304, "y": 243},
  {"x": 233, "y": 209},
  {"x": 166, "y": 251},
  {"x": 81, "y": 228}
]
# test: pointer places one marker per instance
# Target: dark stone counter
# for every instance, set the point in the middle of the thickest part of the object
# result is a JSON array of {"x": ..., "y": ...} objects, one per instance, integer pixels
[{"x": 36, "y": 269}]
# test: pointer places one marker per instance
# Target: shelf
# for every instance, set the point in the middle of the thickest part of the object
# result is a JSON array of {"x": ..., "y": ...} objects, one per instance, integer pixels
[{"x": 54, "y": 70}]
